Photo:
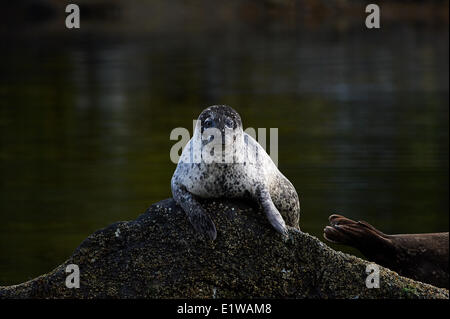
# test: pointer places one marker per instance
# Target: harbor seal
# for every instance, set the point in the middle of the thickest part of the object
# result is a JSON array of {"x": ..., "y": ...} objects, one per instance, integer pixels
[
  {"x": 221, "y": 160},
  {"x": 422, "y": 257}
]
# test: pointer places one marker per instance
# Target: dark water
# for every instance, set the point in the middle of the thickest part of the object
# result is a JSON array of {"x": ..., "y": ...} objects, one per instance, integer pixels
[{"x": 84, "y": 127}]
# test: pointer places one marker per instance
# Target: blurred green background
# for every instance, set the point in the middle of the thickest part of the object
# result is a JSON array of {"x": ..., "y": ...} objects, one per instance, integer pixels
[{"x": 85, "y": 115}]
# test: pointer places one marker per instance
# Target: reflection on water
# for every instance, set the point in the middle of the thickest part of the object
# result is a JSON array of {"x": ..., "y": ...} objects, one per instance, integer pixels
[{"x": 84, "y": 128}]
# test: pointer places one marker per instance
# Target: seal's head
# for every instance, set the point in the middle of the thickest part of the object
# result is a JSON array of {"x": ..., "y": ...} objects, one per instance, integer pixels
[{"x": 219, "y": 121}]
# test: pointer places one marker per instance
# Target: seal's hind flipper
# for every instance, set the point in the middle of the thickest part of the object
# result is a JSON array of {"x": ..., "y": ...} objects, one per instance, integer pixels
[{"x": 358, "y": 234}]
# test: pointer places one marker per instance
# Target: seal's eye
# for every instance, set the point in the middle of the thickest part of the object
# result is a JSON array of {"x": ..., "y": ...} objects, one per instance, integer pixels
[
  {"x": 229, "y": 123},
  {"x": 207, "y": 123}
]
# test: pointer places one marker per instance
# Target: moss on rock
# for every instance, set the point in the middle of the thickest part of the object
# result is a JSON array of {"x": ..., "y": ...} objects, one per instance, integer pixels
[{"x": 159, "y": 255}]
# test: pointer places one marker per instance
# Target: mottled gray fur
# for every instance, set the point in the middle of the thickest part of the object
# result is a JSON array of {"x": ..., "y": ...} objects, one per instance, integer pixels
[{"x": 252, "y": 174}]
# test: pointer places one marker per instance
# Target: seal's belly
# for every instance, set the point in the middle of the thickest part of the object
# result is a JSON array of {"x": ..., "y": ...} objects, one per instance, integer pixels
[
  {"x": 212, "y": 181},
  {"x": 207, "y": 188}
]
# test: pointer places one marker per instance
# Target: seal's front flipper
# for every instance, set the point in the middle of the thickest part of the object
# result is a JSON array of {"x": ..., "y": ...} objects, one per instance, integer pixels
[
  {"x": 272, "y": 213},
  {"x": 197, "y": 216},
  {"x": 202, "y": 223}
]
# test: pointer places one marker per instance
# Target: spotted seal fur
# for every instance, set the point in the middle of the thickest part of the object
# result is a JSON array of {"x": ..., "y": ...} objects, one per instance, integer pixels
[{"x": 221, "y": 160}]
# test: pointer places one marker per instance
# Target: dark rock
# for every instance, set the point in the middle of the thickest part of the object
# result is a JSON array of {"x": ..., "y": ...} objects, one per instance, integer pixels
[{"x": 159, "y": 255}]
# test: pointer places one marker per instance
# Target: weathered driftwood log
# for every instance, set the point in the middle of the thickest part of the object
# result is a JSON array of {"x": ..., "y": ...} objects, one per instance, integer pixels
[{"x": 159, "y": 255}]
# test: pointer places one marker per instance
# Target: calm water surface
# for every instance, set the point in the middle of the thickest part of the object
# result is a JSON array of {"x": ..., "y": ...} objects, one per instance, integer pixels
[{"x": 85, "y": 124}]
